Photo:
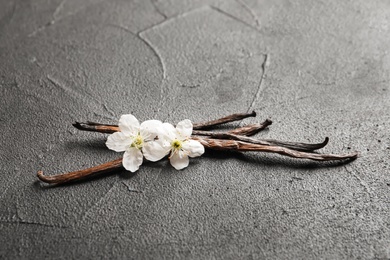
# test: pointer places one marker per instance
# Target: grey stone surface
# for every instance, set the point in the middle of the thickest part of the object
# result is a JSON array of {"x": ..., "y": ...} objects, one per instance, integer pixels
[{"x": 327, "y": 74}]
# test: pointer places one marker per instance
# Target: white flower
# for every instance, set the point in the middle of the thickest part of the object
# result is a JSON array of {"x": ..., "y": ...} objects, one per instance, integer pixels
[
  {"x": 133, "y": 139},
  {"x": 176, "y": 141}
]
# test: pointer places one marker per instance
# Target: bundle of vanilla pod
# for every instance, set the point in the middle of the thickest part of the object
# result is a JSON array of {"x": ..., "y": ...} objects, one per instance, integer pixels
[{"x": 154, "y": 140}]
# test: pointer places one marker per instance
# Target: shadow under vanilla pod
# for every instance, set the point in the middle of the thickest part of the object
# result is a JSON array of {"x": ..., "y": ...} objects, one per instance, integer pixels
[{"x": 237, "y": 139}]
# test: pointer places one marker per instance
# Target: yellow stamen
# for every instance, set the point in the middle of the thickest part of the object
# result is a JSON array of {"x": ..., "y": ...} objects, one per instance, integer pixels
[
  {"x": 138, "y": 141},
  {"x": 176, "y": 144}
]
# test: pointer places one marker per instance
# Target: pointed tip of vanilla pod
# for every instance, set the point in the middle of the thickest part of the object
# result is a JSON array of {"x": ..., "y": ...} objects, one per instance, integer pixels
[
  {"x": 41, "y": 176},
  {"x": 77, "y": 125},
  {"x": 253, "y": 113},
  {"x": 313, "y": 147},
  {"x": 355, "y": 155},
  {"x": 326, "y": 141},
  {"x": 352, "y": 156},
  {"x": 268, "y": 121},
  {"x": 84, "y": 126}
]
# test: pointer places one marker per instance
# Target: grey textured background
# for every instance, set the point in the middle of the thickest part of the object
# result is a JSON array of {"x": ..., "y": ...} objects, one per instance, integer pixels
[{"x": 327, "y": 75}]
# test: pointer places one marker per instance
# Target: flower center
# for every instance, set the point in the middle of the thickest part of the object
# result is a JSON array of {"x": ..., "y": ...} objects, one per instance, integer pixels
[
  {"x": 176, "y": 144},
  {"x": 138, "y": 141}
]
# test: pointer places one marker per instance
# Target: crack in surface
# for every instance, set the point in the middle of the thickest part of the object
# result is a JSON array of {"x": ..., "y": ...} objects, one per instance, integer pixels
[
  {"x": 172, "y": 18},
  {"x": 162, "y": 99},
  {"x": 261, "y": 85},
  {"x": 154, "y": 2},
  {"x": 155, "y": 53},
  {"x": 250, "y": 11},
  {"x": 138, "y": 35},
  {"x": 361, "y": 181},
  {"x": 6, "y": 19},
  {"x": 84, "y": 216},
  {"x": 58, "y": 9},
  {"x": 51, "y": 22},
  {"x": 74, "y": 93},
  {"x": 212, "y": 7},
  {"x": 16, "y": 220},
  {"x": 130, "y": 189},
  {"x": 233, "y": 17},
  {"x": 24, "y": 222},
  {"x": 57, "y": 19}
]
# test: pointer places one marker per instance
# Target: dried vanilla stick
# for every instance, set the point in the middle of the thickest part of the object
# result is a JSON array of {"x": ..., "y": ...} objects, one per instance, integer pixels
[
  {"x": 223, "y": 120},
  {"x": 233, "y": 145},
  {"x": 250, "y": 130},
  {"x": 245, "y": 130},
  {"x": 307, "y": 147},
  {"x": 78, "y": 175}
]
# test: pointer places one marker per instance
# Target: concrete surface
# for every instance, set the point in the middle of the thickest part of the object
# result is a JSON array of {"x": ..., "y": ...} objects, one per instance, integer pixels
[{"x": 327, "y": 75}]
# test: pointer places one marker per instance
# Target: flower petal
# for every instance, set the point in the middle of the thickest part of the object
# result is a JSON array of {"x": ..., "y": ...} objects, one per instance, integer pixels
[
  {"x": 150, "y": 129},
  {"x": 154, "y": 151},
  {"x": 118, "y": 142},
  {"x": 193, "y": 148},
  {"x": 179, "y": 160},
  {"x": 132, "y": 159},
  {"x": 128, "y": 124},
  {"x": 184, "y": 128},
  {"x": 167, "y": 132}
]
